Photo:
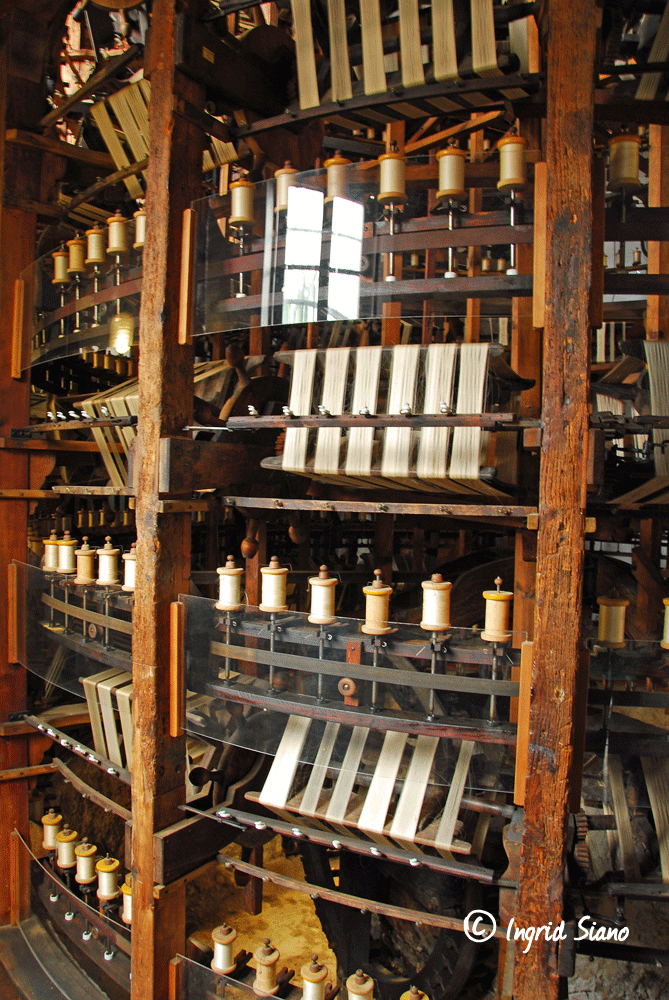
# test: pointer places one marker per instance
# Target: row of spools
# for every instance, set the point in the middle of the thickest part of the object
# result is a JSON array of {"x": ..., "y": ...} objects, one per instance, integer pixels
[{"x": 61, "y": 555}]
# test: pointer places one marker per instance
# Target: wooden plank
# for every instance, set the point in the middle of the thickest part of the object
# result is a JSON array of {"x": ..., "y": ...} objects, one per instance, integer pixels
[
  {"x": 657, "y": 308},
  {"x": 312, "y": 793},
  {"x": 377, "y": 801},
  {"x": 339, "y": 803},
  {"x": 540, "y": 235},
  {"x": 413, "y": 74},
  {"x": 177, "y": 668},
  {"x": 281, "y": 775},
  {"x": 18, "y": 328},
  {"x": 186, "y": 465},
  {"x": 304, "y": 50},
  {"x": 109, "y": 70},
  {"x": 523, "y": 740},
  {"x": 187, "y": 283},
  {"x": 621, "y": 811},
  {"x": 657, "y": 782},
  {"x": 106, "y": 689},
  {"x": 563, "y": 473},
  {"x": 90, "y": 685},
  {"x": 374, "y": 77},
  {"x": 100, "y": 116},
  {"x": 444, "y": 838},
  {"x": 340, "y": 68},
  {"x": 405, "y": 821},
  {"x": 443, "y": 41}
]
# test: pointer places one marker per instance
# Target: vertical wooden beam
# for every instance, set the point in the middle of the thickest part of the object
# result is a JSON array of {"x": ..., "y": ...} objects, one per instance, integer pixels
[
  {"x": 657, "y": 314},
  {"x": 163, "y": 540},
  {"x": 570, "y": 99},
  {"x": 473, "y": 315}
]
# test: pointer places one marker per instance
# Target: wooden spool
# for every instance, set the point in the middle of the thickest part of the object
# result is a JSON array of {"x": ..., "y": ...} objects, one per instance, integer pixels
[
  {"x": 126, "y": 893},
  {"x": 337, "y": 176},
  {"x": 107, "y": 564},
  {"x": 129, "y": 566},
  {"x": 107, "y": 869},
  {"x": 61, "y": 260},
  {"x": 377, "y": 597},
  {"x": 624, "y": 162},
  {"x": 273, "y": 586},
  {"x": 96, "y": 250},
  {"x": 322, "y": 598},
  {"x": 51, "y": 823},
  {"x": 66, "y": 558},
  {"x": 436, "y": 604},
  {"x": 611, "y": 630},
  {"x": 140, "y": 229},
  {"x": 230, "y": 589},
  {"x": 117, "y": 234},
  {"x": 497, "y": 607},
  {"x": 76, "y": 255},
  {"x": 285, "y": 178},
  {"x": 51, "y": 553},
  {"x": 65, "y": 844},
  {"x": 266, "y": 957},
  {"x": 451, "y": 174},
  {"x": 241, "y": 204},
  {"x": 413, "y": 993},
  {"x": 392, "y": 178},
  {"x": 665, "y": 635},
  {"x": 360, "y": 985},
  {"x": 512, "y": 165},
  {"x": 313, "y": 979},
  {"x": 85, "y": 854},
  {"x": 224, "y": 938}
]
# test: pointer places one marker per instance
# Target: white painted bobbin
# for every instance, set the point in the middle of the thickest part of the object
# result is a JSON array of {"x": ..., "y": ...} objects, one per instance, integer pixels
[
  {"x": 285, "y": 178},
  {"x": 665, "y": 635},
  {"x": 65, "y": 844},
  {"x": 107, "y": 869},
  {"x": 436, "y": 604},
  {"x": 241, "y": 203},
  {"x": 85, "y": 854},
  {"x": 322, "y": 610},
  {"x": 51, "y": 823},
  {"x": 230, "y": 586},
  {"x": 107, "y": 564},
  {"x": 224, "y": 938},
  {"x": 274, "y": 586},
  {"x": 377, "y": 597},
  {"x": 392, "y": 178},
  {"x": 512, "y": 165},
  {"x": 313, "y": 979},
  {"x": 126, "y": 893},
  {"x": 624, "y": 162},
  {"x": 51, "y": 553},
  {"x": 117, "y": 235},
  {"x": 85, "y": 564},
  {"x": 266, "y": 957},
  {"x": 140, "y": 229},
  {"x": 129, "y": 564},
  {"x": 360, "y": 985},
  {"x": 95, "y": 241},
  {"x": 497, "y": 606},
  {"x": 66, "y": 559},
  {"x": 611, "y": 628},
  {"x": 61, "y": 259},
  {"x": 337, "y": 176},
  {"x": 451, "y": 173}
]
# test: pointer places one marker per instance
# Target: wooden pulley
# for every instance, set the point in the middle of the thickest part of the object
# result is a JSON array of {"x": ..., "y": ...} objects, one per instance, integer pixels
[
  {"x": 298, "y": 531},
  {"x": 348, "y": 690}
]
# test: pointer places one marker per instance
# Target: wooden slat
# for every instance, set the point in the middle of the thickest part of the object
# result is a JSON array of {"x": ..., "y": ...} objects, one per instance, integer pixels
[
  {"x": 444, "y": 837},
  {"x": 443, "y": 41},
  {"x": 657, "y": 782},
  {"x": 312, "y": 793},
  {"x": 106, "y": 689},
  {"x": 177, "y": 667},
  {"x": 187, "y": 283},
  {"x": 100, "y": 116},
  {"x": 540, "y": 220},
  {"x": 306, "y": 59},
  {"x": 339, "y": 803},
  {"x": 407, "y": 812},
  {"x": 340, "y": 67},
  {"x": 621, "y": 811},
  {"x": 17, "y": 332},
  {"x": 90, "y": 689},
  {"x": 124, "y": 702},
  {"x": 281, "y": 775},
  {"x": 523, "y": 738},
  {"x": 377, "y": 801},
  {"x": 374, "y": 77},
  {"x": 410, "y": 47},
  {"x": 649, "y": 82}
]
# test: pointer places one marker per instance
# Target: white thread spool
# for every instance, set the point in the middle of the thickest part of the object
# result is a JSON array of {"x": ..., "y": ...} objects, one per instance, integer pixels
[
  {"x": 266, "y": 957},
  {"x": 129, "y": 564},
  {"x": 285, "y": 178},
  {"x": 322, "y": 610},
  {"x": 274, "y": 586},
  {"x": 497, "y": 607},
  {"x": 512, "y": 165},
  {"x": 95, "y": 241},
  {"x": 224, "y": 938},
  {"x": 65, "y": 844},
  {"x": 230, "y": 586},
  {"x": 377, "y": 597},
  {"x": 51, "y": 553},
  {"x": 76, "y": 255},
  {"x": 451, "y": 173},
  {"x": 392, "y": 178},
  {"x": 624, "y": 162},
  {"x": 665, "y": 635},
  {"x": 337, "y": 176},
  {"x": 611, "y": 628},
  {"x": 126, "y": 893},
  {"x": 107, "y": 564},
  {"x": 61, "y": 260},
  {"x": 436, "y": 604},
  {"x": 140, "y": 229},
  {"x": 413, "y": 993},
  {"x": 117, "y": 234},
  {"x": 66, "y": 560},
  {"x": 85, "y": 854},
  {"x": 107, "y": 869},
  {"x": 360, "y": 985},
  {"x": 313, "y": 979},
  {"x": 241, "y": 203},
  {"x": 51, "y": 823}
]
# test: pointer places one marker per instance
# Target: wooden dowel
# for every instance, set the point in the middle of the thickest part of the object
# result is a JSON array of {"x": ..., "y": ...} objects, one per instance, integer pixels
[
  {"x": 523, "y": 734},
  {"x": 17, "y": 334},
  {"x": 187, "y": 286},
  {"x": 177, "y": 674}
]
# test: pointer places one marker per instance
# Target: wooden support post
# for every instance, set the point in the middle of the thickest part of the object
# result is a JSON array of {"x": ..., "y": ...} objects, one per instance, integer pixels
[
  {"x": 570, "y": 101},
  {"x": 657, "y": 312},
  {"x": 473, "y": 317},
  {"x": 163, "y": 540}
]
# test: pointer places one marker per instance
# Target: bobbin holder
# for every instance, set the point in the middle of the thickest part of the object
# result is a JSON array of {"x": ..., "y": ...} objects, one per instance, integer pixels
[{"x": 200, "y": 982}]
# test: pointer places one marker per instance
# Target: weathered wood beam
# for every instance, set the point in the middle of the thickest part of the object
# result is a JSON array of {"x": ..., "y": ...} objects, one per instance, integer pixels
[
  {"x": 163, "y": 541},
  {"x": 570, "y": 102}
]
